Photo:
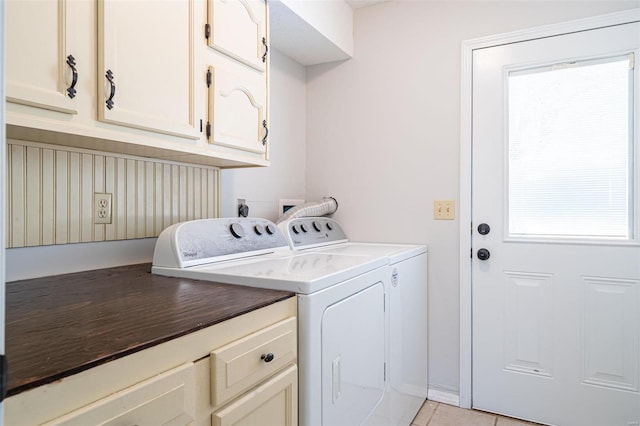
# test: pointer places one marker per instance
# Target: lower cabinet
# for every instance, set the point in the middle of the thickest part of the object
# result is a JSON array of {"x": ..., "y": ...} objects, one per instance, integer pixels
[
  {"x": 166, "y": 399},
  {"x": 239, "y": 372},
  {"x": 272, "y": 403}
]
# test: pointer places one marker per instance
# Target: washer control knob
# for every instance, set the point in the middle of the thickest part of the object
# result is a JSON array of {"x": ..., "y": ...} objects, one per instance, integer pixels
[
  {"x": 270, "y": 229},
  {"x": 295, "y": 229},
  {"x": 329, "y": 226},
  {"x": 236, "y": 230},
  {"x": 259, "y": 229},
  {"x": 304, "y": 227},
  {"x": 317, "y": 226}
]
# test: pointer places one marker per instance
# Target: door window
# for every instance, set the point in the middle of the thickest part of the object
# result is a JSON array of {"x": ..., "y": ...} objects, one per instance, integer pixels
[{"x": 570, "y": 149}]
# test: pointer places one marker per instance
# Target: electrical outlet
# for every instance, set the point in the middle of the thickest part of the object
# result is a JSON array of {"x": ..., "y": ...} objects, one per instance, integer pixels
[
  {"x": 101, "y": 207},
  {"x": 444, "y": 210},
  {"x": 243, "y": 208}
]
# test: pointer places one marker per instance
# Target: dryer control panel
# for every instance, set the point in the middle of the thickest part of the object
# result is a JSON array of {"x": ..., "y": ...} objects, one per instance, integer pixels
[{"x": 309, "y": 232}]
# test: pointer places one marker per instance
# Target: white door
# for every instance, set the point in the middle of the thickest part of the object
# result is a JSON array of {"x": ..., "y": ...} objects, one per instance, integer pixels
[{"x": 556, "y": 325}]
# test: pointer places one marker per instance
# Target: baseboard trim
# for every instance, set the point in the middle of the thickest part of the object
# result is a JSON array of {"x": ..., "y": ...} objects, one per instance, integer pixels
[{"x": 444, "y": 397}]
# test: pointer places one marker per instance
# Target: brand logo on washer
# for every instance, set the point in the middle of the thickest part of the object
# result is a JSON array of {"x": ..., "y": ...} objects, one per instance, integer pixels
[
  {"x": 394, "y": 277},
  {"x": 187, "y": 254}
]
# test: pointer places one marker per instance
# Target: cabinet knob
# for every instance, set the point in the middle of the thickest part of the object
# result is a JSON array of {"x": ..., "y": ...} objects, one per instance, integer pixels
[{"x": 267, "y": 357}]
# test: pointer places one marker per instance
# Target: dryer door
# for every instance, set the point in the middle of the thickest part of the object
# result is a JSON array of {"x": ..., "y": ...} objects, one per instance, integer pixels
[{"x": 353, "y": 357}]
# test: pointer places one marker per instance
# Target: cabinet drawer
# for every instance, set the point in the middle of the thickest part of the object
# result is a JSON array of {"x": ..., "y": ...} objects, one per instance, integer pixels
[
  {"x": 165, "y": 399},
  {"x": 238, "y": 366}
]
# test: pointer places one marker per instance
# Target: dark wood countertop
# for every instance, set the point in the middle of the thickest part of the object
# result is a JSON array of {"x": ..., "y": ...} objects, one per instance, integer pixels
[{"x": 61, "y": 325}]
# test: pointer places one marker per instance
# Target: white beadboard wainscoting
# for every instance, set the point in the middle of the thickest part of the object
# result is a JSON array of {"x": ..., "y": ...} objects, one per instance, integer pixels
[{"x": 50, "y": 194}]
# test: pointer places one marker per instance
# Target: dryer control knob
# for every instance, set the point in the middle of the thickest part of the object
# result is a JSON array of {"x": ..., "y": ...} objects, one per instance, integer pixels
[
  {"x": 270, "y": 229},
  {"x": 259, "y": 229},
  {"x": 329, "y": 226},
  {"x": 317, "y": 226},
  {"x": 304, "y": 227},
  {"x": 236, "y": 230},
  {"x": 295, "y": 229}
]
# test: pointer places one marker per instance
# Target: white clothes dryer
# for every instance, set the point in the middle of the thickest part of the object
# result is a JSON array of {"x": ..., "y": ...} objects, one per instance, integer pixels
[
  {"x": 406, "y": 316},
  {"x": 341, "y": 307}
]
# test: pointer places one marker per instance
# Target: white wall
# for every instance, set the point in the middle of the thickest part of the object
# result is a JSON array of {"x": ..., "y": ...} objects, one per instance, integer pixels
[
  {"x": 285, "y": 178},
  {"x": 383, "y": 133}
]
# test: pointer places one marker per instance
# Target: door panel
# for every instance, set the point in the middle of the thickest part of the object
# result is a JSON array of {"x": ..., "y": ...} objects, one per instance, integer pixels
[
  {"x": 238, "y": 30},
  {"x": 37, "y": 70},
  {"x": 555, "y": 317},
  {"x": 353, "y": 356},
  {"x": 237, "y": 113},
  {"x": 157, "y": 96}
]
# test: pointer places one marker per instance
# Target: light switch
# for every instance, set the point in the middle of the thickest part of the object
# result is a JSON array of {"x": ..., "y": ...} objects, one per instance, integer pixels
[{"x": 444, "y": 210}]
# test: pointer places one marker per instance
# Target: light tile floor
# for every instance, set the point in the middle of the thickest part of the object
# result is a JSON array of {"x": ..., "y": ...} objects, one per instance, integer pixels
[{"x": 437, "y": 414}]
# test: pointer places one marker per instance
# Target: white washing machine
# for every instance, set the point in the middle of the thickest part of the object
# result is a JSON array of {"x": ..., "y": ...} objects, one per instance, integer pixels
[
  {"x": 341, "y": 307},
  {"x": 406, "y": 317}
]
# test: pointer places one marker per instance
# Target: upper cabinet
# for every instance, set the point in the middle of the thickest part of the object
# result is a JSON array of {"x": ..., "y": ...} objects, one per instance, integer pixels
[
  {"x": 41, "y": 67},
  {"x": 238, "y": 28},
  {"x": 143, "y": 85},
  {"x": 134, "y": 80},
  {"x": 237, "y": 76}
]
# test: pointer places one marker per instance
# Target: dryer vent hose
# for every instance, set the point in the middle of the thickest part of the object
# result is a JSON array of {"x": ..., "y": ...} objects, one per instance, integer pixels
[{"x": 323, "y": 207}]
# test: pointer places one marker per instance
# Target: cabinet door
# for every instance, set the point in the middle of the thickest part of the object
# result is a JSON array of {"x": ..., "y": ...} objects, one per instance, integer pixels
[
  {"x": 40, "y": 37},
  {"x": 237, "y": 108},
  {"x": 273, "y": 403},
  {"x": 166, "y": 399},
  {"x": 145, "y": 64},
  {"x": 237, "y": 28}
]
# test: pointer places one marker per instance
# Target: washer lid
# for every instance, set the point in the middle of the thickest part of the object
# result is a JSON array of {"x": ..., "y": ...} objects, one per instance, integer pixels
[
  {"x": 303, "y": 273},
  {"x": 393, "y": 252}
]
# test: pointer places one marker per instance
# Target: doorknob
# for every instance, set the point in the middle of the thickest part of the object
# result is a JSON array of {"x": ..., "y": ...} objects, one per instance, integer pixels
[
  {"x": 483, "y": 254},
  {"x": 484, "y": 229}
]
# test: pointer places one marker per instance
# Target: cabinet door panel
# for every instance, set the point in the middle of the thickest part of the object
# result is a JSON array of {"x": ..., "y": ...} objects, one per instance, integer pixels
[
  {"x": 166, "y": 399},
  {"x": 237, "y": 101},
  {"x": 272, "y": 403},
  {"x": 238, "y": 28},
  {"x": 39, "y": 34},
  {"x": 148, "y": 47}
]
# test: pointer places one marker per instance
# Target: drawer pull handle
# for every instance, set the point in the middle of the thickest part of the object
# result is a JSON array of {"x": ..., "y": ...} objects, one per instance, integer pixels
[{"x": 267, "y": 357}]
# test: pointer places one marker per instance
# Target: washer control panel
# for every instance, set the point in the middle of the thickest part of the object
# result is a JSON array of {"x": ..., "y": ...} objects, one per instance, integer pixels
[
  {"x": 308, "y": 232},
  {"x": 210, "y": 240}
]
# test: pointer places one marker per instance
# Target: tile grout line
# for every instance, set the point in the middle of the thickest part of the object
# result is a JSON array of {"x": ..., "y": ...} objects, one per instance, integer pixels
[{"x": 432, "y": 414}]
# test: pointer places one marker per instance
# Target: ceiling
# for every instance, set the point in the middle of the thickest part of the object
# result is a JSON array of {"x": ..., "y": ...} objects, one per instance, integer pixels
[
  {"x": 296, "y": 38},
  {"x": 357, "y": 4}
]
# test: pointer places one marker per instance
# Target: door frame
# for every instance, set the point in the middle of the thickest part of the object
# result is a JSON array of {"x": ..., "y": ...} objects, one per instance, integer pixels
[{"x": 468, "y": 47}]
